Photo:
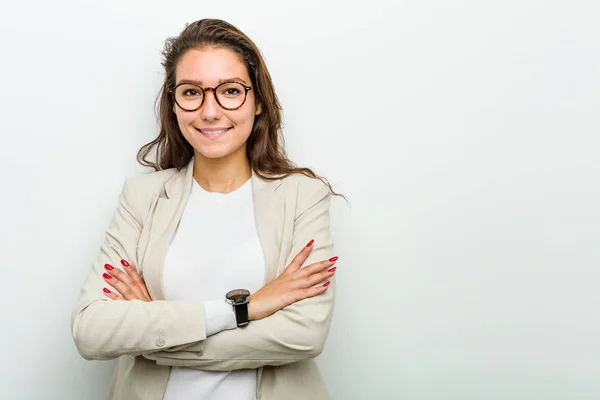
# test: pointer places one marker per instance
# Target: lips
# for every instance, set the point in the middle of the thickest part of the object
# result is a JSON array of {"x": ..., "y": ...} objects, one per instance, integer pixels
[{"x": 213, "y": 132}]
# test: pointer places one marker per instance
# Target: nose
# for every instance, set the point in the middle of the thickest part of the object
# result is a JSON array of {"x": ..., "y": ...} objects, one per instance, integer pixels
[{"x": 210, "y": 109}]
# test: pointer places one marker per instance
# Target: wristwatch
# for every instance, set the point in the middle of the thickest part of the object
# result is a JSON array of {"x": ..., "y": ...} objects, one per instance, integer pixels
[{"x": 238, "y": 298}]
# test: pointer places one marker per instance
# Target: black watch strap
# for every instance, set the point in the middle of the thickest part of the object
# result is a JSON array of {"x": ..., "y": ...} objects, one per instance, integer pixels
[{"x": 241, "y": 314}]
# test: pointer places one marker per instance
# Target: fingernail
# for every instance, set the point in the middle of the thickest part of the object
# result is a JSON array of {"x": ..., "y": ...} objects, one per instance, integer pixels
[
  {"x": 310, "y": 243},
  {"x": 106, "y": 290},
  {"x": 326, "y": 283},
  {"x": 107, "y": 276},
  {"x": 124, "y": 263},
  {"x": 333, "y": 269},
  {"x": 332, "y": 259},
  {"x": 109, "y": 267}
]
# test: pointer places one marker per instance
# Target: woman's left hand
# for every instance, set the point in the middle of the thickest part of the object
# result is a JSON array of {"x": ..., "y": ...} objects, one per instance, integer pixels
[{"x": 128, "y": 284}]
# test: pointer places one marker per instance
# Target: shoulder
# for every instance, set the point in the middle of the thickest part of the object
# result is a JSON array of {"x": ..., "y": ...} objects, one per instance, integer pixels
[
  {"x": 149, "y": 182},
  {"x": 301, "y": 184},
  {"x": 304, "y": 191},
  {"x": 140, "y": 191}
]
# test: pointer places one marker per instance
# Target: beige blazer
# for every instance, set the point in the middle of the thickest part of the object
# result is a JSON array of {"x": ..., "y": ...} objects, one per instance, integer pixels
[{"x": 150, "y": 337}]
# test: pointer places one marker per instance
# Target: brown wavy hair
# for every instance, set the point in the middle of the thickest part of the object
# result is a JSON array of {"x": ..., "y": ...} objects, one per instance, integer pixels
[{"x": 265, "y": 147}]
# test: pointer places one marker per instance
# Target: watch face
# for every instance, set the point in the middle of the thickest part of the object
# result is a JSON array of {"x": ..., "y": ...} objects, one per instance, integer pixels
[{"x": 237, "y": 295}]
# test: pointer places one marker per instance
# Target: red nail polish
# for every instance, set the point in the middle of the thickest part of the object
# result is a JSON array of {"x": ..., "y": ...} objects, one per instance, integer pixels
[
  {"x": 326, "y": 284},
  {"x": 124, "y": 263},
  {"x": 310, "y": 243},
  {"x": 333, "y": 269},
  {"x": 108, "y": 267},
  {"x": 332, "y": 259},
  {"x": 106, "y": 290},
  {"x": 107, "y": 276}
]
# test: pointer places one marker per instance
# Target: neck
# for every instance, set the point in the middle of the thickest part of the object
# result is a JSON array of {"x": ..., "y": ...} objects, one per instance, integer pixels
[{"x": 222, "y": 175}]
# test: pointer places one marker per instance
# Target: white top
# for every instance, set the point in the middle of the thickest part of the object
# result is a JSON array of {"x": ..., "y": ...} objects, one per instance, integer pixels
[{"x": 215, "y": 249}]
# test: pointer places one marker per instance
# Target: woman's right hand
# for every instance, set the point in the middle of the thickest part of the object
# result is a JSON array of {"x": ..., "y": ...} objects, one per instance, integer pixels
[{"x": 293, "y": 285}]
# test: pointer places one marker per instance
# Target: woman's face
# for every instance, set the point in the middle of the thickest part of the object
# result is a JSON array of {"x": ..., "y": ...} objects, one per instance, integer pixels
[{"x": 209, "y": 67}]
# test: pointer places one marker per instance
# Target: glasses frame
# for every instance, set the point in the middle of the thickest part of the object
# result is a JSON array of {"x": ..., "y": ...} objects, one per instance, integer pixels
[{"x": 172, "y": 89}]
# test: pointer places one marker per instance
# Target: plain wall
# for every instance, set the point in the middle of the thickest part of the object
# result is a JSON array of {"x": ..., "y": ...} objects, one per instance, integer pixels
[{"x": 465, "y": 133}]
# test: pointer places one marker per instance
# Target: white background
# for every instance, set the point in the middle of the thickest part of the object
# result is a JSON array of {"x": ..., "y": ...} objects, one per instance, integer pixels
[{"x": 465, "y": 134}]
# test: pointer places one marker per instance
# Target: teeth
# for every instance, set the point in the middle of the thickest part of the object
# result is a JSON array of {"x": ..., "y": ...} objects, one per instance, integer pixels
[{"x": 214, "y": 132}]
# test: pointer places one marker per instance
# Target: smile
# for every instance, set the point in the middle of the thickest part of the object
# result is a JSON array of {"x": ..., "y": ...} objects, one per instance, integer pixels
[{"x": 212, "y": 133}]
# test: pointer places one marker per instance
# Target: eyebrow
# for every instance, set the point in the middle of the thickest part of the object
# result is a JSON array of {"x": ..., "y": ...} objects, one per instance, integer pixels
[{"x": 199, "y": 83}]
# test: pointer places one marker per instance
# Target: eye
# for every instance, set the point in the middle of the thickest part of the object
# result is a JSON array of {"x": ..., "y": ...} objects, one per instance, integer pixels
[
  {"x": 231, "y": 92},
  {"x": 191, "y": 92}
]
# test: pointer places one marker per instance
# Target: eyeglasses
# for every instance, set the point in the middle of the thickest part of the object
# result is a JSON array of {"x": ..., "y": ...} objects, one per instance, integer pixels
[{"x": 229, "y": 95}]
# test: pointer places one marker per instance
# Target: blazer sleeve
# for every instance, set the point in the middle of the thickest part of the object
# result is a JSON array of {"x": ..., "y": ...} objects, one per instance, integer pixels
[
  {"x": 295, "y": 333},
  {"x": 103, "y": 328}
]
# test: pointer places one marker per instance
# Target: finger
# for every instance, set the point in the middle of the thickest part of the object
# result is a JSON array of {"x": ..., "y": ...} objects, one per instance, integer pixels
[
  {"x": 111, "y": 295},
  {"x": 311, "y": 280},
  {"x": 124, "y": 278},
  {"x": 136, "y": 278},
  {"x": 315, "y": 267},
  {"x": 300, "y": 258},
  {"x": 306, "y": 293},
  {"x": 123, "y": 289}
]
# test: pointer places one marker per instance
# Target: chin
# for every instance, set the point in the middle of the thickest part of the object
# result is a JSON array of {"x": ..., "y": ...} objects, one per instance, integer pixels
[
  {"x": 215, "y": 152},
  {"x": 212, "y": 154},
  {"x": 216, "y": 156}
]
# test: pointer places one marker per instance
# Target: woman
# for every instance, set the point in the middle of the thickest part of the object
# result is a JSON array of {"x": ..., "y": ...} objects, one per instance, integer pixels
[{"x": 224, "y": 210}]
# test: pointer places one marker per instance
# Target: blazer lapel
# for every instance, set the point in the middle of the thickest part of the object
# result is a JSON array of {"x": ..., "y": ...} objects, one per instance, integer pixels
[
  {"x": 269, "y": 209},
  {"x": 165, "y": 221}
]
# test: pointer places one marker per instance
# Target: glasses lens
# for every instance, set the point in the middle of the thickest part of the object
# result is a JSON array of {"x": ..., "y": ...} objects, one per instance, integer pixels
[
  {"x": 189, "y": 97},
  {"x": 231, "y": 94}
]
